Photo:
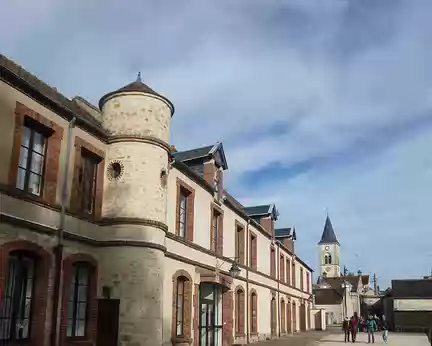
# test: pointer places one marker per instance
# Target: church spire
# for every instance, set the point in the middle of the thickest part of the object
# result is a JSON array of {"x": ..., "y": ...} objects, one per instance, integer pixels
[{"x": 328, "y": 235}]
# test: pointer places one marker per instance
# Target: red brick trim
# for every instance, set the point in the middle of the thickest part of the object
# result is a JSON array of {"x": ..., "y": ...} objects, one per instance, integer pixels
[
  {"x": 294, "y": 316},
  {"x": 282, "y": 268},
  {"x": 219, "y": 249},
  {"x": 227, "y": 318},
  {"x": 301, "y": 279},
  {"x": 272, "y": 262},
  {"x": 187, "y": 308},
  {"x": 52, "y": 157},
  {"x": 41, "y": 289},
  {"x": 91, "y": 327},
  {"x": 239, "y": 311},
  {"x": 240, "y": 242},
  {"x": 253, "y": 250},
  {"x": 196, "y": 318},
  {"x": 190, "y": 209},
  {"x": 288, "y": 272},
  {"x": 283, "y": 315},
  {"x": 289, "y": 316},
  {"x": 293, "y": 274},
  {"x": 76, "y": 194},
  {"x": 253, "y": 318}
]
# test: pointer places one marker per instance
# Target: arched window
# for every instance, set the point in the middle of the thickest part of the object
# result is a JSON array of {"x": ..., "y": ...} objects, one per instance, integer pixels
[
  {"x": 327, "y": 258},
  {"x": 18, "y": 304},
  {"x": 273, "y": 318},
  {"x": 182, "y": 307},
  {"x": 254, "y": 312},
  {"x": 282, "y": 314},
  {"x": 78, "y": 303},
  {"x": 239, "y": 311}
]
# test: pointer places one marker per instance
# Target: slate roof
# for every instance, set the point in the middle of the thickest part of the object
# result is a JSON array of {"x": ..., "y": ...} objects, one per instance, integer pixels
[
  {"x": 353, "y": 280},
  {"x": 258, "y": 210},
  {"x": 136, "y": 86},
  {"x": 328, "y": 235},
  {"x": 283, "y": 232},
  {"x": 31, "y": 83},
  {"x": 414, "y": 288},
  {"x": 193, "y": 153},
  {"x": 328, "y": 296}
]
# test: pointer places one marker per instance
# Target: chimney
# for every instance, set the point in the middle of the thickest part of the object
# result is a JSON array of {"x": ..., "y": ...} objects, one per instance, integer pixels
[
  {"x": 268, "y": 224},
  {"x": 289, "y": 244}
]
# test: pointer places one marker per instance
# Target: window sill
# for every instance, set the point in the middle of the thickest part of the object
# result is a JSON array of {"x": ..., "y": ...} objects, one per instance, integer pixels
[
  {"x": 181, "y": 341},
  {"x": 26, "y": 196}
]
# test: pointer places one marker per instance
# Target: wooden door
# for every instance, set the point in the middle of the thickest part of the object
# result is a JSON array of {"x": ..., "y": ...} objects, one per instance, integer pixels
[{"x": 108, "y": 322}]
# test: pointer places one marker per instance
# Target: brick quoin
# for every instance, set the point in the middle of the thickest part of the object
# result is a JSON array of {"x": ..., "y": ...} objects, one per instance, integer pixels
[
  {"x": 42, "y": 289},
  {"x": 52, "y": 157},
  {"x": 91, "y": 328}
]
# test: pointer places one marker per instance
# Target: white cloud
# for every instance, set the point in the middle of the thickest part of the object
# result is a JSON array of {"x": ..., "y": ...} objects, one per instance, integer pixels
[{"x": 333, "y": 74}]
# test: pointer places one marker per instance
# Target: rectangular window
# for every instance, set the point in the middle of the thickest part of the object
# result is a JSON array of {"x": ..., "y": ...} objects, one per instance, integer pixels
[
  {"x": 180, "y": 307},
  {"x": 183, "y": 213},
  {"x": 293, "y": 275},
  {"x": 78, "y": 300},
  {"x": 253, "y": 252},
  {"x": 215, "y": 229},
  {"x": 15, "y": 312},
  {"x": 239, "y": 244},
  {"x": 282, "y": 268},
  {"x": 272, "y": 262},
  {"x": 32, "y": 160},
  {"x": 288, "y": 272},
  {"x": 254, "y": 313},
  {"x": 301, "y": 279},
  {"x": 88, "y": 180},
  {"x": 308, "y": 282}
]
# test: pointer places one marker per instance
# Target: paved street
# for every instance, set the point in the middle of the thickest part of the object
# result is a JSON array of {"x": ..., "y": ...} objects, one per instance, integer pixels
[
  {"x": 330, "y": 338},
  {"x": 395, "y": 339}
]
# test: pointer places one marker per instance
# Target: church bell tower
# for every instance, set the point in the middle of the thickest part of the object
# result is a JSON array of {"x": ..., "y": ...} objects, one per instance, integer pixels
[{"x": 329, "y": 252}]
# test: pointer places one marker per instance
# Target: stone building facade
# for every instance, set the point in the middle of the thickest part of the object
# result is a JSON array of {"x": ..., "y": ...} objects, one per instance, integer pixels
[{"x": 108, "y": 233}]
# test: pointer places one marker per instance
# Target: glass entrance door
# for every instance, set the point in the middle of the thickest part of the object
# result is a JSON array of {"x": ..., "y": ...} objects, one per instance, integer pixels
[{"x": 211, "y": 315}]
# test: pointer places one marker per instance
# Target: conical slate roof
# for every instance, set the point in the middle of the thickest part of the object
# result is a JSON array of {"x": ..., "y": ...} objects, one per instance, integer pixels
[
  {"x": 136, "y": 86},
  {"x": 328, "y": 235}
]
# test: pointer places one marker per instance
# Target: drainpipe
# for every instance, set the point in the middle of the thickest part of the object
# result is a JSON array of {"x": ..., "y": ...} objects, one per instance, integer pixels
[
  {"x": 58, "y": 251},
  {"x": 247, "y": 283},
  {"x": 278, "y": 290}
]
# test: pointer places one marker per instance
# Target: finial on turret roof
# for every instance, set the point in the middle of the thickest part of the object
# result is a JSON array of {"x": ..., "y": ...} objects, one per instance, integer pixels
[
  {"x": 327, "y": 212},
  {"x": 139, "y": 77}
]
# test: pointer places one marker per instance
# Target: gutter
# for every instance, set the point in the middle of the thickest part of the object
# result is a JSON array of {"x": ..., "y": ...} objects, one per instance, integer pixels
[{"x": 58, "y": 250}]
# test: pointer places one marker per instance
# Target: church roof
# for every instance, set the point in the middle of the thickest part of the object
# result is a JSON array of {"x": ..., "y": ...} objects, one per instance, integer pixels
[
  {"x": 136, "y": 86},
  {"x": 328, "y": 235},
  {"x": 328, "y": 296}
]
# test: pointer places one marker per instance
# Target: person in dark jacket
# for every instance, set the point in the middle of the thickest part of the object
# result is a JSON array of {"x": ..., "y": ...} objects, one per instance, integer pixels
[
  {"x": 346, "y": 328},
  {"x": 353, "y": 327}
]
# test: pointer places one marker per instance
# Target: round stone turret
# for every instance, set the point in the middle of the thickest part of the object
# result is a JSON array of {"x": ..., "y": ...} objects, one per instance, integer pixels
[
  {"x": 134, "y": 208},
  {"x": 138, "y": 120}
]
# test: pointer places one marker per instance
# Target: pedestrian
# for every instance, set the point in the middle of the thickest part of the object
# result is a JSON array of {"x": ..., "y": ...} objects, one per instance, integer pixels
[
  {"x": 353, "y": 327},
  {"x": 346, "y": 328},
  {"x": 371, "y": 326},
  {"x": 384, "y": 326}
]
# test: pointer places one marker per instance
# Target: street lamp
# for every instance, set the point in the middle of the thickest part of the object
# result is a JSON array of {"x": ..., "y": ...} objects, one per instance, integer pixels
[{"x": 234, "y": 270}]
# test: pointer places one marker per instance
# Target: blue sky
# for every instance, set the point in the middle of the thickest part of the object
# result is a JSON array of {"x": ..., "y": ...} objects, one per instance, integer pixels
[{"x": 319, "y": 104}]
